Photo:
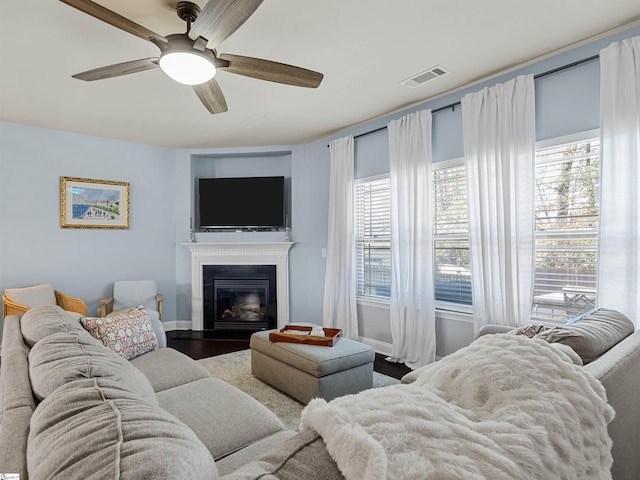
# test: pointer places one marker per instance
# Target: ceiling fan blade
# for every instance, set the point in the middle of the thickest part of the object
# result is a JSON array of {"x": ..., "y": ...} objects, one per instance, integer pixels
[
  {"x": 211, "y": 96},
  {"x": 271, "y": 71},
  {"x": 112, "y": 18},
  {"x": 220, "y": 18},
  {"x": 118, "y": 69}
]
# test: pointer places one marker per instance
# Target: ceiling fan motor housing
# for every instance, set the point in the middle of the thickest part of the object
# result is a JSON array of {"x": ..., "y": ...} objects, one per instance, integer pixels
[{"x": 187, "y": 11}]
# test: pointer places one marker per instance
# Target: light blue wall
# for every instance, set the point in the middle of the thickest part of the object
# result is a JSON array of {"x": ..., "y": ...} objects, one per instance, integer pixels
[
  {"x": 310, "y": 194},
  {"x": 566, "y": 102},
  {"x": 371, "y": 154},
  {"x": 83, "y": 262},
  {"x": 34, "y": 249},
  {"x": 307, "y": 167},
  {"x": 210, "y": 163}
]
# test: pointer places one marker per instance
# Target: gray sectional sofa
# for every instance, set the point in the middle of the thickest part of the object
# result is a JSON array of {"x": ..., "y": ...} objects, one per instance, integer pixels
[
  {"x": 73, "y": 409},
  {"x": 605, "y": 343}
]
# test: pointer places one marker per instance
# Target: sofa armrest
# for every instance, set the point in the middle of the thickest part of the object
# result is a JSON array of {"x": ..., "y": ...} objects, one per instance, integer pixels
[
  {"x": 72, "y": 304},
  {"x": 619, "y": 372},
  {"x": 492, "y": 328},
  {"x": 106, "y": 306},
  {"x": 12, "y": 308},
  {"x": 413, "y": 375}
]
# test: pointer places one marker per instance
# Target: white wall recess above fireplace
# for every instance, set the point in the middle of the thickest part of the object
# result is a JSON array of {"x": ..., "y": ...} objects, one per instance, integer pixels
[{"x": 240, "y": 253}]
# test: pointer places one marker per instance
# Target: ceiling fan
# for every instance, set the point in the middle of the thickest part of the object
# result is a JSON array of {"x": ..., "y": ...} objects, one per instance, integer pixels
[{"x": 190, "y": 57}]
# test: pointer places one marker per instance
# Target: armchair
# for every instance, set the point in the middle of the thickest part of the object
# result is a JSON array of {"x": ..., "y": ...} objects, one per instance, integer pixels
[
  {"x": 128, "y": 294},
  {"x": 16, "y": 301}
]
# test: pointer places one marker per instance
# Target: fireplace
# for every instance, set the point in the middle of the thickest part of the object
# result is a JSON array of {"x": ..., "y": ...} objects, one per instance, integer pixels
[
  {"x": 239, "y": 297},
  {"x": 271, "y": 254}
]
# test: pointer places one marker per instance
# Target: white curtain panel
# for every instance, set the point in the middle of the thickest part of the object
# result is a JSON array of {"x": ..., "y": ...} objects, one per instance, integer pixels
[
  {"x": 499, "y": 145},
  {"x": 619, "y": 256},
  {"x": 412, "y": 275},
  {"x": 340, "y": 281}
]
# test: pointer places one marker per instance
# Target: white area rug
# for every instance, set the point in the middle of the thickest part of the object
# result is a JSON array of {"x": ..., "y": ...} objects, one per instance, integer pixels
[{"x": 235, "y": 369}]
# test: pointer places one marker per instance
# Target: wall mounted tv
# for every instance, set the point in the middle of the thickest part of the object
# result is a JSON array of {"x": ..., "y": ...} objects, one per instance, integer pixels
[{"x": 243, "y": 202}]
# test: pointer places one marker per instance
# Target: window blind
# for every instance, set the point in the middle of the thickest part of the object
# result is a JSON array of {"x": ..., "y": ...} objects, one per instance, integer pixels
[
  {"x": 451, "y": 235},
  {"x": 567, "y": 210},
  {"x": 373, "y": 237}
]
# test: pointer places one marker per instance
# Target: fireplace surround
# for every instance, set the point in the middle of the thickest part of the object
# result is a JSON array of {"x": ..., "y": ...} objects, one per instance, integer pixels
[{"x": 245, "y": 254}]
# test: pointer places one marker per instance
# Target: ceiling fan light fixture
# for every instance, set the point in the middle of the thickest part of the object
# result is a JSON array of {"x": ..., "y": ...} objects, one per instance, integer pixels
[{"x": 188, "y": 68}]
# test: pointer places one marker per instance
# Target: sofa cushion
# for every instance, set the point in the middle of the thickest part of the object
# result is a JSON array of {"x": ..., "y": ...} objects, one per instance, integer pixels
[
  {"x": 97, "y": 429},
  {"x": 167, "y": 368},
  {"x": 569, "y": 352},
  {"x": 591, "y": 335},
  {"x": 240, "y": 419},
  {"x": 32, "y": 296},
  {"x": 252, "y": 452},
  {"x": 44, "y": 320},
  {"x": 303, "y": 456},
  {"x": 67, "y": 356},
  {"x": 128, "y": 334}
]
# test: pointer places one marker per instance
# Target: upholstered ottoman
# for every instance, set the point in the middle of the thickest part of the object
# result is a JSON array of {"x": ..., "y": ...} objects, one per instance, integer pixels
[{"x": 308, "y": 371}]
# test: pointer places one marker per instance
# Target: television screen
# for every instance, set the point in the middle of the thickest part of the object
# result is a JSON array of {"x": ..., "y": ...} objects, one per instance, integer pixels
[{"x": 246, "y": 202}]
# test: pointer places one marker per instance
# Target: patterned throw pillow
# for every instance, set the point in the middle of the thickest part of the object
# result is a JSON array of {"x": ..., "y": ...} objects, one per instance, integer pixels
[
  {"x": 530, "y": 330},
  {"x": 129, "y": 334}
]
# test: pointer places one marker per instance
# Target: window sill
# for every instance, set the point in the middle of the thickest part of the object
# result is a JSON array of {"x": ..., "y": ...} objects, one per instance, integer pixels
[
  {"x": 454, "y": 308},
  {"x": 377, "y": 302},
  {"x": 385, "y": 303}
]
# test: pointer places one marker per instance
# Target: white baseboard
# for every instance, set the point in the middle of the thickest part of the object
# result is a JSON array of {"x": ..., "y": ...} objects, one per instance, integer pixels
[
  {"x": 380, "y": 347},
  {"x": 177, "y": 325}
]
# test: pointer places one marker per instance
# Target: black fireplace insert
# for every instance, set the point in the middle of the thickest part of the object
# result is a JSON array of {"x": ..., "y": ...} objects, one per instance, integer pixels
[{"x": 239, "y": 298}]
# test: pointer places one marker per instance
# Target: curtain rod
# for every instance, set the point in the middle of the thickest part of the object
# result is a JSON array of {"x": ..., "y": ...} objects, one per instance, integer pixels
[{"x": 453, "y": 105}]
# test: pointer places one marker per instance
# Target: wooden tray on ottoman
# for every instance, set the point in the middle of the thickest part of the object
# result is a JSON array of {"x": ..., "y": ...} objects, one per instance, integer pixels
[{"x": 332, "y": 335}]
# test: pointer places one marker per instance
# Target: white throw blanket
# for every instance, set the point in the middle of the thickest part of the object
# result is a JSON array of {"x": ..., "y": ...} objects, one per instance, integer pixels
[{"x": 505, "y": 407}]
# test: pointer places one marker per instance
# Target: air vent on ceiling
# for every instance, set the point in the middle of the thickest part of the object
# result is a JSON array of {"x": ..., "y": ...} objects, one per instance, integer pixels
[{"x": 424, "y": 77}]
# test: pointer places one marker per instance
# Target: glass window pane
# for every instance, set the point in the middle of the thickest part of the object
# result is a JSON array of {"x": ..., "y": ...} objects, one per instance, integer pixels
[
  {"x": 567, "y": 209},
  {"x": 373, "y": 234},
  {"x": 451, "y": 235},
  {"x": 453, "y": 275}
]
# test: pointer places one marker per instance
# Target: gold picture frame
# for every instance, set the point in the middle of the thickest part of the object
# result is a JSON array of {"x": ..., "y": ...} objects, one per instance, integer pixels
[{"x": 89, "y": 203}]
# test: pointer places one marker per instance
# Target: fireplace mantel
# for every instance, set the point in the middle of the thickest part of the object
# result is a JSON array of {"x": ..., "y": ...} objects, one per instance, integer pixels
[{"x": 239, "y": 253}]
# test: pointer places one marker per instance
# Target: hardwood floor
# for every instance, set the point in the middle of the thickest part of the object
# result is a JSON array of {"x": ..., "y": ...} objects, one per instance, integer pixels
[{"x": 195, "y": 345}]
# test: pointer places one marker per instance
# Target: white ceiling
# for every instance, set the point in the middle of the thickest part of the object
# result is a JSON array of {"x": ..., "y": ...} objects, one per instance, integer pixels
[{"x": 364, "y": 48}]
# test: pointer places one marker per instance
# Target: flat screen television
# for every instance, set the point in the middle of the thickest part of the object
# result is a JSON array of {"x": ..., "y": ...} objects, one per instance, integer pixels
[{"x": 243, "y": 202}]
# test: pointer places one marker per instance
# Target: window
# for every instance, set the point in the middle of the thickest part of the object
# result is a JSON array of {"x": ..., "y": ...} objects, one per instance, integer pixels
[
  {"x": 567, "y": 194},
  {"x": 373, "y": 237},
  {"x": 451, "y": 234}
]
